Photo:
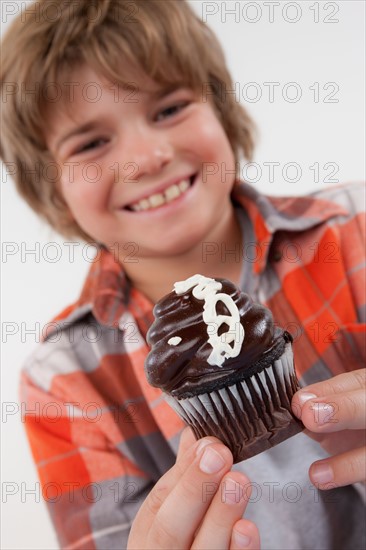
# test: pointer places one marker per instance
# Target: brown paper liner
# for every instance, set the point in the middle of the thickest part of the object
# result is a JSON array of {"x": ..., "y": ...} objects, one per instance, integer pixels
[{"x": 249, "y": 416}]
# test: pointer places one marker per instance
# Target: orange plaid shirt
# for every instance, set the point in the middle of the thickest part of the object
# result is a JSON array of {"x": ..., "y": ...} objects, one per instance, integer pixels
[{"x": 101, "y": 436}]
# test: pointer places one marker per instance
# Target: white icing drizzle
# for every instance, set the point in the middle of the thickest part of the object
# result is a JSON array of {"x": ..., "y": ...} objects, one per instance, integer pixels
[
  {"x": 174, "y": 341},
  {"x": 229, "y": 343}
]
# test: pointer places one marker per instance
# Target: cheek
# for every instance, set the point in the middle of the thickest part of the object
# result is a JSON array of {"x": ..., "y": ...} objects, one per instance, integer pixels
[
  {"x": 209, "y": 139},
  {"x": 82, "y": 189}
]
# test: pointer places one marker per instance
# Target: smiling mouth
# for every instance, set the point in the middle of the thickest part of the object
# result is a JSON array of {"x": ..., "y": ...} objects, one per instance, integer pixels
[{"x": 160, "y": 199}]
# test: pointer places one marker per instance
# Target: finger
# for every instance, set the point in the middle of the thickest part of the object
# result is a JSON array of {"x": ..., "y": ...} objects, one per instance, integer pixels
[
  {"x": 336, "y": 412},
  {"x": 187, "y": 439},
  {"x": 155, "y": 499},
  {"x": 245, "y": 535},
  {"x": 340, "y": 470},
  {"x": 227, "y": 507},
  {"x": 338, "y": 442},
  {"x": 343, "y": 383},
  {"x": 184, "y": 507}
]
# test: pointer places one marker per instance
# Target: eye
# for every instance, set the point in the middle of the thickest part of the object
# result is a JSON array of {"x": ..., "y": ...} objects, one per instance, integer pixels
[
  {"x": 93, "y": 144},
  {"x": 171, "y": 110}
]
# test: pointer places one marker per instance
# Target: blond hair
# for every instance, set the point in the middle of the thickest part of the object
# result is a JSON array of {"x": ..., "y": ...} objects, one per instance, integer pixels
[{"x": 164, "y": 38}]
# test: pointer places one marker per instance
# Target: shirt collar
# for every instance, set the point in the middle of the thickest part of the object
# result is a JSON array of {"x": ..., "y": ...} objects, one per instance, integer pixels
[
  {"x": 268, "y": 215},
  {"x": 106, "y": 288},
  {"x": 108, "y": 293}
]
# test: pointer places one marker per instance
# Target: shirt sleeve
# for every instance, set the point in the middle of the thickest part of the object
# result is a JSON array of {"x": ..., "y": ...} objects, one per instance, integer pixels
[
  {"x": 352, "y": 243},
  {"x": 91, "y": 489}
]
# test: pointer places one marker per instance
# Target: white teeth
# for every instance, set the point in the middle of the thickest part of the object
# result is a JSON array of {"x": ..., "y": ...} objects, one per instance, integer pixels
[
  {"x": 183, "y": 185},
  {"x": 144, "y": 204},
  {"x": 159, "y": 199},
  {"x": 172, "y": 193},
  {"x": 156, "y": 200}
]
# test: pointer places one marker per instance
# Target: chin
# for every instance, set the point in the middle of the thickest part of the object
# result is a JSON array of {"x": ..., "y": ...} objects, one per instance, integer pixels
[{"x": 176, "y": 248}]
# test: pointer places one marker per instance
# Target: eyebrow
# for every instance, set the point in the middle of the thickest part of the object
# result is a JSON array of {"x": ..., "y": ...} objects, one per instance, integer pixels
[
  {"x": 165, "y": 91},
  {"x": 160, "y": 93}
]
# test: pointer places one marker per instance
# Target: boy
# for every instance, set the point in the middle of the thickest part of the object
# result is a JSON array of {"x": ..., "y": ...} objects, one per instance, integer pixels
[{"x": 164, "y": 146}]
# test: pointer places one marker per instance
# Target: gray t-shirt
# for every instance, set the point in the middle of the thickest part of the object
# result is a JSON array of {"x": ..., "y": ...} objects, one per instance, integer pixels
[{"x": 293, "y": 514}]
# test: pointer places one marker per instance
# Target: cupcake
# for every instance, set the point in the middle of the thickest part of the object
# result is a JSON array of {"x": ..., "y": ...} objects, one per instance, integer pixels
[{"x": 223, "y": 365}]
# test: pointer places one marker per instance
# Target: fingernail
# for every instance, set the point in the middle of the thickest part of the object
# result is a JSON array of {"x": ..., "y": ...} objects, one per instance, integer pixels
[
  {"x": 321, "y": 473},
  {"x": 305, "y": 396},
  {"x": 299, "y": 401},
  {"x": 242, "y": 541},
  {"x": 211, "y": 462},
  {"x": 231, "y": 491},
  {"x": 323, "y": 413},
  {"x": 202, "y": 445}
]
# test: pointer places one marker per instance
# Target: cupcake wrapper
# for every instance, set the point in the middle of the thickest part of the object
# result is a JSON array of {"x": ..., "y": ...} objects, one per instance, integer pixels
[{"x": 249, "y": 416}]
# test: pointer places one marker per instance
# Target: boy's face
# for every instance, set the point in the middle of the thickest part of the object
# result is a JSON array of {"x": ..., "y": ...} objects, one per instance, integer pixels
[{"x": 139, "y": 168}]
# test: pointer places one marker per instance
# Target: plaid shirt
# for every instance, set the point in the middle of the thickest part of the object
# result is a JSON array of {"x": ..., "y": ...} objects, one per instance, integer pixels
[{"x": 101, "y": 436}]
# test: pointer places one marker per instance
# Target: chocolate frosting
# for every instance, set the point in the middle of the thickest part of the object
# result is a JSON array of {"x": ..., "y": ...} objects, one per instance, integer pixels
[{"x": 179, "y": 362}]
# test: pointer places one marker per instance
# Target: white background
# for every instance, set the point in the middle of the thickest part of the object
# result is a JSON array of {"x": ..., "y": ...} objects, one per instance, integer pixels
[{"x": 326, "y": 56}]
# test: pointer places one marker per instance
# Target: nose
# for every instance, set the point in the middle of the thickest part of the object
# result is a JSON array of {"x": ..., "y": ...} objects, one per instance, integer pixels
[{"x": 148, "y": 151}]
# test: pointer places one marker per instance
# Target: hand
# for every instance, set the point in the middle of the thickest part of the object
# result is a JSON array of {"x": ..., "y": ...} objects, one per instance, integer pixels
[
  {"x": 334, "y": 413},
  {"x": 197, "y": 504}
]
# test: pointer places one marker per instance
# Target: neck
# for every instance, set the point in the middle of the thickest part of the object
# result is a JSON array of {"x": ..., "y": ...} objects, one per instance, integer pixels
[{"x": 218, "y": 256}]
